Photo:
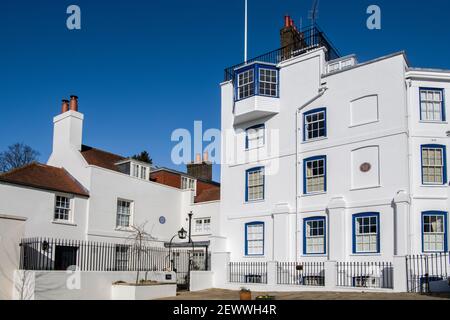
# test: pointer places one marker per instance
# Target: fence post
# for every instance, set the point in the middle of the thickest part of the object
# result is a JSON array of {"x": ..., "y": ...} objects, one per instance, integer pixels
[
  {"x": 220, "y": 262},
  {"x": 272, "y": 273},
  {"x": 330, "y": 275},
  {"x": 400, "y": 276}
]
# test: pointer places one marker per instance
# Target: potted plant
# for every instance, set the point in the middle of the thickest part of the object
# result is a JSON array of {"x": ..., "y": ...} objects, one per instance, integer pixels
[
  {"x": 245, "y": 294},
  {"x": 265, "y": 297}
]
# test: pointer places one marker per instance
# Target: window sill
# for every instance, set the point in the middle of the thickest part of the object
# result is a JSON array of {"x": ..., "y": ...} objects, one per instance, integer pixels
[
  {"x": 64, "y": 223},
  {"x": 315, "y": 140},
  {"x": 254, "y": 148},
  {"x": 254, "y": 201},
  {"x": 125, "y": 229},
  {"x": 366, "y": 188},
  {"x": 434, "y": 185},
  {"x": 312, "y": 194},
  {"x": 364, "y": 254},
  {"x": 313, "y": 255},
  {"x": 255, "y": 256},
  {"x": 433, "y": 122}
]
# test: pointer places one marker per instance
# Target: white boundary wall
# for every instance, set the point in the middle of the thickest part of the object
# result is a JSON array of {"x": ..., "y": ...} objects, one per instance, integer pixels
[
  {"x": 67, "y": 285},
  {"x": 11, "y": 231}
]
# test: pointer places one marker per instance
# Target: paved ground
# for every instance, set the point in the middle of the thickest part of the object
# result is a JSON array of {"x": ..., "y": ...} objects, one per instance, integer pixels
[{"x": 219, "y": 294}]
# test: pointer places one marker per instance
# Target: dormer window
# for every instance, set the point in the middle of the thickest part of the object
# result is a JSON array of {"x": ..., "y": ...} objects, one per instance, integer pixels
[
  {"x": 134, "y": 168},
  {"x": 257, "y": 79},
  {"x": 187, "y": 183}
]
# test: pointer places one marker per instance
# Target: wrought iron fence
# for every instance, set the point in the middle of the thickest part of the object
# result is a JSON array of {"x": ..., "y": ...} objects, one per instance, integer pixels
[
  {"x": 301, "y": 273},
  {"x": 310, "y": 38},
  {"x": 61, "y": 254},
  {"x": 424, "y": 269},
  {"x": 248, "y": 272},
  {"x": 365, "y": 274}
]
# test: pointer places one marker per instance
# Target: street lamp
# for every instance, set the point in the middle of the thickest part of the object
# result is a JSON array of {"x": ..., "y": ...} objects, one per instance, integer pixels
[{"x": 182, "y": 235}]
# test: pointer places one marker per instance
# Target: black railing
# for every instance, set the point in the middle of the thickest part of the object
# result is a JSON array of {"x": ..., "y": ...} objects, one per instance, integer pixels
[
  {"x": 310, "y": 38},
  {"x": 365, "y": 274},
  {"x": 248, "y": 272},
  {"x": 301, "y": 273},
  {"x": 423, "y": 269},
  {"x": 62, "y": 254}
]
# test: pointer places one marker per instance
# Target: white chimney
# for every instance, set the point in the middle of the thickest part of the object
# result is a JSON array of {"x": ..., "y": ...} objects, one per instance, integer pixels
[{"x": 68, "y": 126}]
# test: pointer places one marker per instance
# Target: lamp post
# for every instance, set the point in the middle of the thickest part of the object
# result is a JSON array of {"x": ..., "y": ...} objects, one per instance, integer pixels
[
  {"x": 182, "y": 235},
  {"x": 191, "y": 260}
]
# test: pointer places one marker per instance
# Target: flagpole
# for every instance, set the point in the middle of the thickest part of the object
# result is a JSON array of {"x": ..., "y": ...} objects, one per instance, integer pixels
[{"x": 245, "y": 33}]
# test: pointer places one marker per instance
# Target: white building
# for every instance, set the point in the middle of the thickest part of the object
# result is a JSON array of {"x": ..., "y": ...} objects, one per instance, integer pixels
[
  {"x": 84, "y": 193},
  {"x": 325, "y": 158}
]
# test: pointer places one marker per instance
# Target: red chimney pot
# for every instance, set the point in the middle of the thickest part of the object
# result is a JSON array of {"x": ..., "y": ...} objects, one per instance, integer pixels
[
  {"x": 74, "y": 103},
  {"x": 65, "y": 106}
]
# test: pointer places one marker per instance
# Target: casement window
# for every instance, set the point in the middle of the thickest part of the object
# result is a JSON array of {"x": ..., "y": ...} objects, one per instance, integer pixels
[
  {"x": 202, "y": 226},
  {"x": 434, "y": 165},
  {"x": 187, "y": 183},
  {"x": 268, "y": 82},
  {"x": 62, "y": 208},
  {"x": 140, "y": 171},
  {"x": 254, "y": 184},
  {"x": 315, "y": 125},
  {"x": 121, "y": 257},
  {"x": 257, "y": 79},
  {"x": 366, "y": 233},
  {"x": 314, "y": 235},
  {"x": 432, "y": 106},
  {"x": 246, "y": 84},
  {"x": 434, "y": 231},
  {"x": 255, "y": 137},
  {"x": 314, "y": 175},
  {"x": 254, "y": 239},
  {"x": 124, "y": 212}
]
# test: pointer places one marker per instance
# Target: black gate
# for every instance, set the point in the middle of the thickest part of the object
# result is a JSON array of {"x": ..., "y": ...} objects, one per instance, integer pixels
[
  {"x": 423, "y": 269},
  {"x": 186, "y": 260}
]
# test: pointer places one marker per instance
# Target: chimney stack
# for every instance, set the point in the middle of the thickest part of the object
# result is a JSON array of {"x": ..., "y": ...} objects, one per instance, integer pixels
[
  {"x": 73, "y": 103},
  {"x": 65, "y": 106},
  {"x": 200, "y": 169},
  {"x": 291, "y": 39}
]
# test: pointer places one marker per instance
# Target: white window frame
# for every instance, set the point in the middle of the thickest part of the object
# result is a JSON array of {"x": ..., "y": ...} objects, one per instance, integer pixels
[
  {"x": 360, "y": 238},
  {"x": 430, "y": 106},
  {"x": 59, "y": 207},
  {"x": 205, "y": 226},
  {"x": 254, "y": 237},
  {"x": 130, "y": 214},
  {"x": 311, "y": 122},
  {"x": 429, "y": 235},
  {"x": 255, "y": 184},
  {"x": 263, "y": 84},
  {"x": 140, "y": 171},
  {"x": 248, "y": 87},
  {"x": 314, "y": 240},
  {"x": 311, "y": 177}
]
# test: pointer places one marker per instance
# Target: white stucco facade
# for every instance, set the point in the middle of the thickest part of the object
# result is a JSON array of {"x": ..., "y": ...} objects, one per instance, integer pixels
[
  {"x": 371, "y": 148},
  {"x": 93, "y": 217}
]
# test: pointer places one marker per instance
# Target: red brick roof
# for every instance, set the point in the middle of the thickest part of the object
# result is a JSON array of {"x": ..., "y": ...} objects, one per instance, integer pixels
[
  {"x": 101, "y": 158},
  {"x": 208, "y": 195},
  {"x": 45, "y": 177}
]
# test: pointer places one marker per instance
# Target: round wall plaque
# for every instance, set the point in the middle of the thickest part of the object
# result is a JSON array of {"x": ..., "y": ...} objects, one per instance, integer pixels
[
  {"x": 365, "y": 167},
  {"x": 162, "y": 219}
]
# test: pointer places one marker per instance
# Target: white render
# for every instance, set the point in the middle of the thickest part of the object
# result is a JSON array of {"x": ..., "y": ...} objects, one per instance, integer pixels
[
  {"x": 372, "y": 116},
  {"x": 94, "y": 217}
]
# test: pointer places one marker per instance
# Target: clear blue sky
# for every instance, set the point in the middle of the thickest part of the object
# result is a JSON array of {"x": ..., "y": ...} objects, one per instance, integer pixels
[{"x": 144, "y": 68}]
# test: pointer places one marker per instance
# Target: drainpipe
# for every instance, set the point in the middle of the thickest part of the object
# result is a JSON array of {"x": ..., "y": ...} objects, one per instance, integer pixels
[{"x": 322, "y": 90}]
